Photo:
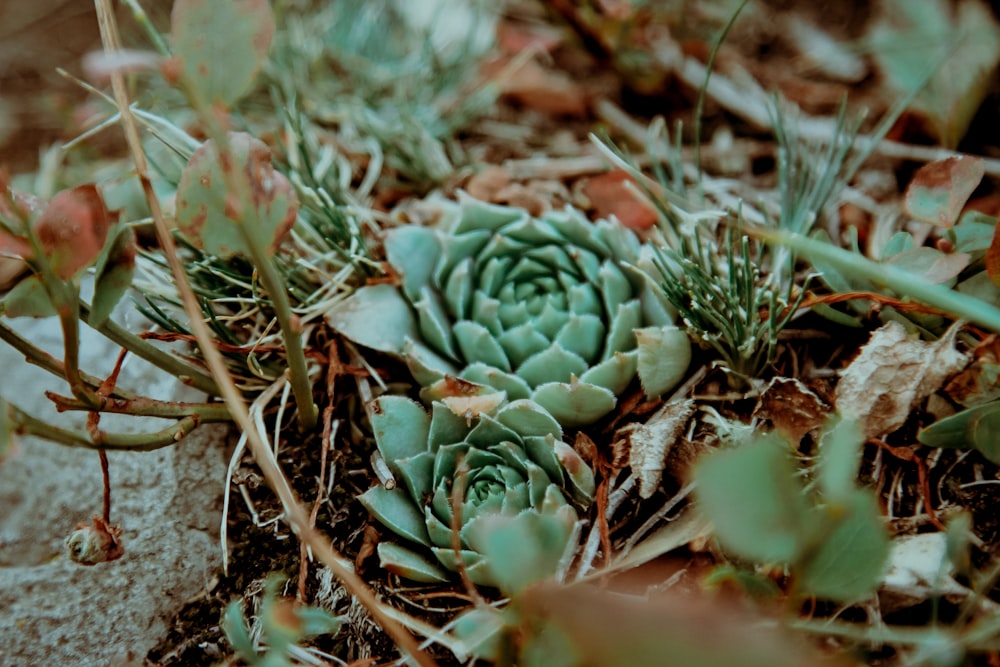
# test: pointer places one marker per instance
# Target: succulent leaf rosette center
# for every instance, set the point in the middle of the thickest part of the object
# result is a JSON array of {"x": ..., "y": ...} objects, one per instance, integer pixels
[
  {"x": 455, "y": 471},
  {"x": 544, "y": 308}
]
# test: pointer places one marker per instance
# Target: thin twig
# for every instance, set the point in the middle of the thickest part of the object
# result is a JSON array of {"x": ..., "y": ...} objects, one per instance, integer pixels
[{"x": 294, "y": 514}]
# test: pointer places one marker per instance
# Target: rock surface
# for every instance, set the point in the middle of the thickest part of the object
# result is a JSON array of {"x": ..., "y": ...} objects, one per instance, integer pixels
[{"x": 55, "y": 612}]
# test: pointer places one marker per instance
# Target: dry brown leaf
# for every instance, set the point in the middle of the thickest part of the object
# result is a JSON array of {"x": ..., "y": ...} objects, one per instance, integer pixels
[
  {"x": 792, "y": 407},
  {"x": 542, "y": 89},
  {"x": 892, "y": 373},
  {"x": 651, "y": 441},
  {"x": 485, "y": 185},
  {"x": 610, "y": 195}
]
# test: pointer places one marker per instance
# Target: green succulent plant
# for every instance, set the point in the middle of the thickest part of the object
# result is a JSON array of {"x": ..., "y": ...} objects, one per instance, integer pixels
[
  {"x": 548, "y": 308},
  {"x": 507, "y": 460}
]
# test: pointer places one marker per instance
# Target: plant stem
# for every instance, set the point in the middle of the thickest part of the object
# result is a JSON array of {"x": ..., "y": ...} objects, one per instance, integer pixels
[
  {"x": 149, "y": 407},
  {"x": 295, "y": 515},
  {"x": 182, "y": 370},
  {"x": 903, "y": 282},
  {"x": 25, "y": 424},
  {"x": 45, "y": 361}
]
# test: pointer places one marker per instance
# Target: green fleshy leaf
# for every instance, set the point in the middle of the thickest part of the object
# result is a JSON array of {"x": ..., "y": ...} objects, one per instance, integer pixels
[
  {"x": 114, "y": 273},
  {"x": 458, "y": 289},
  {"x": 417, "y": 473},
  {"x": 476, "y": 566},
  {"x": 479, "y": 215},
  {"x": 627, "y": 319},
  {"x": 489, "y": 432},
  {"x": 205, "y": 211},
  {"x": 521, "y": 550},
  {"x": 396, "y": 511},
  {"x": 446, "y": 428},
  {"x": 664, "y": 356},
  {"x": 376, "y": 316},
  {"x": 553, "y": 364},
  {"x": 410, "y": 564},
  {"x": 435, "y": 325},
  {"x": 477, "y": 344},
  {"x": 426, "y": 366},
  {"x": 550, "y": 321},
  {"x": 438, "y": 530},
  {"x": 753, "y": 496},
  {"x": 975, "y": 427},
  {"x": 514, "y": 386},
  {"x": 583, "y": 335},
  {"x": 413, "y": 252},
  {"x": 578, "y": 477},
  {"x": 528, "y": 418},
  {"x": 221, "y": 45},
  {"x": 400, "y": 427},
  {"x": 486, "y": 311},
  {"x": 575, "y": 403},
  {"x": 614, "y": 373},
  {"x": 849, "y": 563},
  {"x": 522, "y": 342},
  {"x": 28, "y": 298},
  {"x": 615, "y": 287},
  {"x": 839, "y": 459}
]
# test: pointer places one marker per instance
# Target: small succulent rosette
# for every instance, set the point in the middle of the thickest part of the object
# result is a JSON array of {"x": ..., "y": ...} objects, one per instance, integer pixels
[
  {"x": 549, "y": 308},
  {"x": 504, "y": 459}
]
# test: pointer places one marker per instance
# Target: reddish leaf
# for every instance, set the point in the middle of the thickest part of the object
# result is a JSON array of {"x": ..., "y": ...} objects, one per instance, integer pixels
[
  {"x": 610, "y": 195},
  {"x": 72, "y": 229},
  {"x": 939, "y": 190},
  {"x": 993, "y": 257}
]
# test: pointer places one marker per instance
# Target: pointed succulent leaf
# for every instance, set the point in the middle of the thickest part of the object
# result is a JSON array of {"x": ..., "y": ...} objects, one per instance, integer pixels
[
  {"x": 426, "y": 366},
  {"x": 435, "y": 325},
  {"x": 529, "y": 418},
  {"x": 664, "y": 356},
  {"x": 478, "y": 344},
  {"x": 221, "y": 45},
  {"x": 396, "y": 511},
  {"x": 375, "y": 316},
  {"x": 575, "y": 403},
  {"x": 417, "y": 473},
  {"x": 614, "y": 373},
  {"x": 410, "y": 564},
  {"x": 553, "y": 363},
  {"x": 514, "y": 386},
  {"x": 446, "y": 428},
  {"x": 582, "y": 335},
  {"x": 414, "y": 252},
  {"x": 476, "y": 566},
  {"x": 579, "y": 477},
  {"x": 400, "y": 426}
]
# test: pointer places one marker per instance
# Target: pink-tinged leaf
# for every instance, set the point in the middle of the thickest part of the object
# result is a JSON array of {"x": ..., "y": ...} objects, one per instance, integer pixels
[
  {"x": 939, "y": 190},
  {"x": 221, "y": 45},
  {"x": 16, "y": 208},
  {"x": 72, "y": 230},
  {"x": 210, "y": 216}
]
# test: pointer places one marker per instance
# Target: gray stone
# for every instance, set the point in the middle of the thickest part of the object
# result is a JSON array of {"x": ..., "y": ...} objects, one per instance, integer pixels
[{"x": 55, "y": 612}]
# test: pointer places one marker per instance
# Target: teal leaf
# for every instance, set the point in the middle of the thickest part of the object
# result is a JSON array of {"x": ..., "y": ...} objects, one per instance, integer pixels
[
  {"x": 753, "y": 497},
  {"x": 529, "y": 418},
  {"x": 614, "y": 373},
  {"x": 395, "y": 510},
  {"x": 839, "y": 459},
  {"x": 410, "y": 564},
  {"x": 574, "y": 403},
  {"x": 553, "y": 364},
  {"x": 938, "y": 191},
  {"x": 848, "y": 565},
  {"x": 664, "y": 356},
  {"x": 514, "y": 386},
  {"x": 521, "y": 550},
  {"x": 28, "y": 298},
  {"x": 375, "y": 316},
  {"x": 221, "y": 44},
  {"x": 400, "y": 426},
  {"x": 114, "y": 273},
  {"x": 413, "y": 252},
  {"x": 478, "y": 345},
  {"x": 974, "y": 428}
]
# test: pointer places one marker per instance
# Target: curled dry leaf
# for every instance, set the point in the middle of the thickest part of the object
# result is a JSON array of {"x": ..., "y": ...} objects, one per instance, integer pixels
[
  {"x": 650, "y": 443},
  {"x": 98, "y": 542},
  {"x": 891, "y": 374},
  {"x": 792, "y": 407}
]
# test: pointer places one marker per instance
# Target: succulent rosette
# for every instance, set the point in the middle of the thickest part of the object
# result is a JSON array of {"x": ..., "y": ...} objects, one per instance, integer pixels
[
  {"x": 549, "y": 308},
  {"x": 508, "y": 460}
]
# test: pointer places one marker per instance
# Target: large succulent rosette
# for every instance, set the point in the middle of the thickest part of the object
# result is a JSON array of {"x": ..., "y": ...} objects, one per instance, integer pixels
[
  {"x": 509, "y": 461},
  {"x": 548, "y": 308}
]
